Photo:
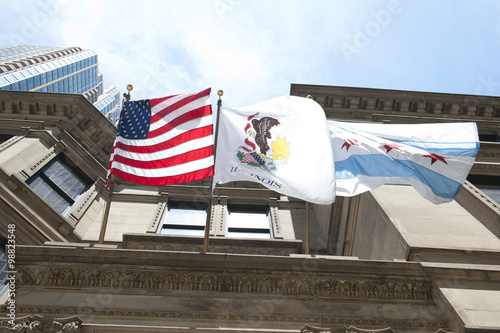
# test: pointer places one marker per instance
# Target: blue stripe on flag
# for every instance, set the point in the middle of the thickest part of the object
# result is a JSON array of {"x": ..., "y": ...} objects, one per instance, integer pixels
[
  {"x": 381, "y": 166},
  {"x": 445, "y": 148}
]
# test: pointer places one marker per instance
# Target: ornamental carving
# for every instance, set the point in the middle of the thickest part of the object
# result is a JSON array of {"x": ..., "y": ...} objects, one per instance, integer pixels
[
  {"x": 469, "y": 107},
  {"x": 36, "y": 324},
  {"x": 290, "y": 284},
  {"x": 343, "y": 329},
  {"x": 413, "y": 324},
  {"x": 351, "y": 329}
]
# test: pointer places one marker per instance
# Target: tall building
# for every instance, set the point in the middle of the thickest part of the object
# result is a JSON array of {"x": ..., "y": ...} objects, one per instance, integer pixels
[
  {"x": 56, "y": 69},
  {"x": 386, "y": 260}
]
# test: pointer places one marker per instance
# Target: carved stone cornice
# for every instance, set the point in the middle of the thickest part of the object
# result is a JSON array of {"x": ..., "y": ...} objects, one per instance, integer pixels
[
  {"x": 361, "y": 103},
  {"x": 489, "y": 152},
  {"x": 66, "y": 112},
  {"x": 350, "y": 329},
  {"x": 270, "y": 284},
  {"x": 413, "y": 324},
  {"x": 34, "y": 324},
  {"x": 343, "y": 329},
  {"x": 485, "y": 168}
]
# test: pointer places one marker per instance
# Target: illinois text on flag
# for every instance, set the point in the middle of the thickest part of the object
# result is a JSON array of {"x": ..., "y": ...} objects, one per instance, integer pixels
[
  {"x": 282, "y": 144},
  {"x": 165, "y": 141},
  {"x": 434, "y": 158}
]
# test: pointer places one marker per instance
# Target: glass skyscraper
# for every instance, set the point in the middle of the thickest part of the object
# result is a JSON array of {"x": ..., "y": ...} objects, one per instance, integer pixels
[{"x": 55, "y": 69}]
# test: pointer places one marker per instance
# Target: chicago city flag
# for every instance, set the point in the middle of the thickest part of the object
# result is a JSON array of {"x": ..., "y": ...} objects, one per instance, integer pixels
[
  {"x": 164, "y": 141},
  {"x": 282, "y": 144},
  {"x": 434, "y": 158}
]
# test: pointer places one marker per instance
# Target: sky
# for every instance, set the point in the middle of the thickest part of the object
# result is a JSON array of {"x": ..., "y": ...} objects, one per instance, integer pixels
[{"x": 254, "y": 50}]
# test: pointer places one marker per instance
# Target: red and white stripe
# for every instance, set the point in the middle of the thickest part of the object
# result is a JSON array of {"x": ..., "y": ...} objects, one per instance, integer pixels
[{"x": 178, "y": 148}]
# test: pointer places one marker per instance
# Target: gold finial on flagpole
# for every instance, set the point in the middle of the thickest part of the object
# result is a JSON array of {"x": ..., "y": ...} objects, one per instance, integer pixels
[
  {"x": 220, "y": 93},
  {"x": 127, "y": 95},
  {"x": 309, "y": 96}
]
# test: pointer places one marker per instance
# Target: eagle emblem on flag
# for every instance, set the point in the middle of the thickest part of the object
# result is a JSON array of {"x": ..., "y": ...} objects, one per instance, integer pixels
[{"x": 259, "y": 149}]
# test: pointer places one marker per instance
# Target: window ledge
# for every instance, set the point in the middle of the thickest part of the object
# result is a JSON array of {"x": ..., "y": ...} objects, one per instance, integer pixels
[{"x": 277, "y": 247}]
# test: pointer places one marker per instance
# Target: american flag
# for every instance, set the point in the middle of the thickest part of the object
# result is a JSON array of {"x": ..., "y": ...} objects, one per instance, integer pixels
[{"x": 164, "y": 141}]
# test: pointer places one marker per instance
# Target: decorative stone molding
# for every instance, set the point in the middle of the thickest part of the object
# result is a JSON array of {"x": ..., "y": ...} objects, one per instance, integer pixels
[
  {"x": 213, "y": 211},
  {"x": 481, "y": 206},
  {"x": 155, "y": 221},
  {"x": 350, "y": 329},
  {"x": 413, "y": 324},
  {"x": 485, "y": 168},
  {"x": 216, "y": 244},
  {"x": 218, "y": 220},
  {"x": 65, "y": 112},
  {"x": 341, "y": 329},
  {"x": 273, "y": 210},
  {"x": 360, "y": 103},
  {"x": 34, "y": 324},
  {"x": 11, "y": 142},
  {"x": 489, "y": 151},
  {"x": 493, "y": 205},
  {"x": 41, "y": 161},
  {"x": 290, "y": 284},
  {"x": 84, "y": 203}
]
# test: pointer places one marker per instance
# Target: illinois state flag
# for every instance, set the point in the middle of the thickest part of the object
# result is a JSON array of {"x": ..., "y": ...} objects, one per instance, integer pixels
[
  {"x": 165, "y": 141},
  {"x": 282, "y": 144},
  {"x": 434, "y": 158}
]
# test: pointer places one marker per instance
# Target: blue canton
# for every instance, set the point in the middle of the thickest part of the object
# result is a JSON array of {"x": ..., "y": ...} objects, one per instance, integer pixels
[{"x": 135, "y": 119}]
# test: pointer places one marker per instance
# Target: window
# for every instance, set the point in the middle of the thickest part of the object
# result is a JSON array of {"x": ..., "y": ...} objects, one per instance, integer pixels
[
  {"x": 60, "y": 183},
  {"x": 3, "y": 272},
  {"x": 37, "y": 80},
  {"x": 489, "y": 185},
  {"x": 185, "y": 218},
  {"x": 494, "y": 194},
  {"x": 489, "y": 137},
  {"x": 248, "y": 221},
  {"x": 5, "y": 137}
]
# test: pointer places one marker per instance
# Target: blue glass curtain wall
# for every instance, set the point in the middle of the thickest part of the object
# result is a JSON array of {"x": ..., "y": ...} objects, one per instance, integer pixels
[{"x": 39, "y": 75}]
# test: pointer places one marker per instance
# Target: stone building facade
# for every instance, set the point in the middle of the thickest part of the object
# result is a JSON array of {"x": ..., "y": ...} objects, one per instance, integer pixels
[{"x": 385, "y": 260}]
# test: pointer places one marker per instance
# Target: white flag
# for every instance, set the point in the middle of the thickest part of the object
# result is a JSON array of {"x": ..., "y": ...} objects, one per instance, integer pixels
[
  {"x": 282, "y": 144},
  {"x": 434, "y": 158}
]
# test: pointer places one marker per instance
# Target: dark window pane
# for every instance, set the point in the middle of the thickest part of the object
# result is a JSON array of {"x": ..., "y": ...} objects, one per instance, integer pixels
[
  {"x": 59, "y": 183},
  {"x": 185, "y": 218},
  {"x": 63, "y": 178},
  {"x": 5, "y": 137},
  {"x": 49, "y": 195},
  {"x": 248, "y": 221}
]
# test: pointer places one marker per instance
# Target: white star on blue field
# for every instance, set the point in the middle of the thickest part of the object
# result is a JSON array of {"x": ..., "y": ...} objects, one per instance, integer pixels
[{"x": 135, "y": 120}]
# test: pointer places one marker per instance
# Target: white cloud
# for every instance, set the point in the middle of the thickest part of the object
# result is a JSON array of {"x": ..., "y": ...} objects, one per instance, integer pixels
[{"x": 255, "y": 49}]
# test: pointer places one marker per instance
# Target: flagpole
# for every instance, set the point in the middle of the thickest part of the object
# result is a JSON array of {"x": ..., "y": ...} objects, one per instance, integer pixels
[
  {"x": 126, "y": 96},
  {"x": 307, "y": 210},
  {"x": 307, "y": 226},
  {"x": 210, "y": 194},
  {"x": 106, "y": 211}
]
